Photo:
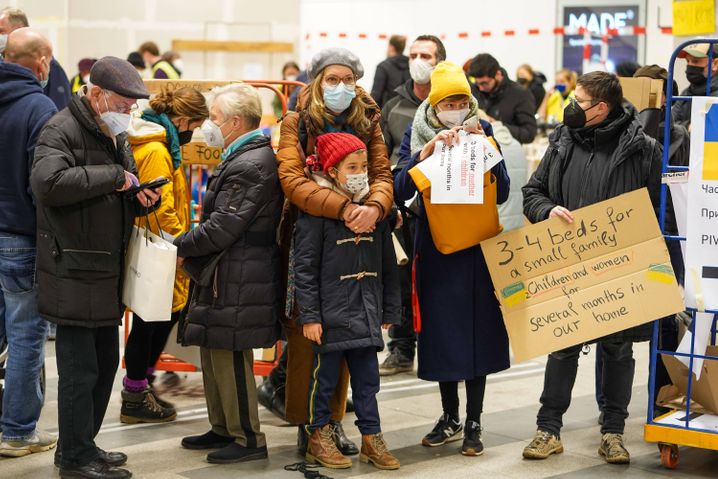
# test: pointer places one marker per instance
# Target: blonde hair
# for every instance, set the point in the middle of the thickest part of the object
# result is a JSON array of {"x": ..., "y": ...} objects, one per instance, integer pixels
[
  {"x": 185, "y": 102},
  {"x": 570, "y": 76},
  {"x": 239, "y": 99},
  {"x": 318, "y": 115}
]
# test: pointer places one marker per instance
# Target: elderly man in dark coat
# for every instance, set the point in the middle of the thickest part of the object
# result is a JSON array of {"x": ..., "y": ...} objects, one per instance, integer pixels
[{"x": 83, "y": 164}]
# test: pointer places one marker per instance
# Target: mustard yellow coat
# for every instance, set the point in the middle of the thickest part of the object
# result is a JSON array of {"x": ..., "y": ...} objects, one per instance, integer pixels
[{"x": 153, "y": 159}]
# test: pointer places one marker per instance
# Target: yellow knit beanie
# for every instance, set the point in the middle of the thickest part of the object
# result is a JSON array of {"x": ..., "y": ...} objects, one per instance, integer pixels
[{"x": 447, "y": 80}]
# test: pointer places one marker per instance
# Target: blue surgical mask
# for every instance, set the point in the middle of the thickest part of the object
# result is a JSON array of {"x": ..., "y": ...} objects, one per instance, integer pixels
[
  {"x": 338, "y": 98},
  {"x": 43, "y": 83}
]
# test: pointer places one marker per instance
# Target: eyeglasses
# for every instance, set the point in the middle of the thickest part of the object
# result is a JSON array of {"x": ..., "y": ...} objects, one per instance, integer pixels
[{"x": 333, "y": 80}]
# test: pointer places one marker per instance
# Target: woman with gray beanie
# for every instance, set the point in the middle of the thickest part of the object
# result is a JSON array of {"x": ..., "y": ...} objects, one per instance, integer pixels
[{"x": 331, "y": 102}]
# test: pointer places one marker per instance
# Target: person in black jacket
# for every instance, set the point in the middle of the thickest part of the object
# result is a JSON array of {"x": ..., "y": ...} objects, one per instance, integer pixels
[
  {"x": 697, "y": 67},
  {"x": 82, "y": 165},
  {"x": 502, "y": 99},
  {"x": 239, "y": 307},
  {"x": 346, "y": 288},
  {"x": 599, "y": 152},
  {"x": 532, "y": 81},
  {"x": 392, "y": 72}
]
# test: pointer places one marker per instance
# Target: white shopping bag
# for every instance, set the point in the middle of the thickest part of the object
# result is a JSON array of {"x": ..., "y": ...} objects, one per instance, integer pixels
[{"x": 149, "y": 280}]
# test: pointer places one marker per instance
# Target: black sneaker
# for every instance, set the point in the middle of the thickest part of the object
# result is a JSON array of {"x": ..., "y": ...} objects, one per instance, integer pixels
[
  {"x": 233, "y": 453},
  {"x": 142, "y": 407},
  {"x": 446, "y": 430},
  {"x": 472, "y": 445},
  {"x": 208, "y": 440},
  {"x": 94, "y": 470},
  {"x": 395, "y": 363}
]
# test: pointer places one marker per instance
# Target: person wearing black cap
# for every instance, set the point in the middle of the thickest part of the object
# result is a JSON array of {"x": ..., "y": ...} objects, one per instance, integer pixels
[
  {"x": 83, "y": 164},
  {"x": 696, "y": 57}
]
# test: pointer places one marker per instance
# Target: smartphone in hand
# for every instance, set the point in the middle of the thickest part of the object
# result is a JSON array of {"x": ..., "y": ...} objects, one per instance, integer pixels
[{"x": 150, "y": 185}]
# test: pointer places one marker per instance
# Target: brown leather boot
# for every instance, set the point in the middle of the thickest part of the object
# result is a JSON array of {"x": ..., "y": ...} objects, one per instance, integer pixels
[
  {"x": 323, "y": 450},
  {"x": 374, "y": 450}
]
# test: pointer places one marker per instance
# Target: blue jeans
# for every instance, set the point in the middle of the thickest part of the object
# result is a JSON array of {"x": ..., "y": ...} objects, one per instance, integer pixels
[{"x": 24, "y": 330}]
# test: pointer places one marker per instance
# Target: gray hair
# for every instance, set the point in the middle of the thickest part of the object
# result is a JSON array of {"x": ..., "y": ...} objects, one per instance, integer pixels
[
  {"x": 239, "y": 99},
  {"x": 15, "y": 17}
]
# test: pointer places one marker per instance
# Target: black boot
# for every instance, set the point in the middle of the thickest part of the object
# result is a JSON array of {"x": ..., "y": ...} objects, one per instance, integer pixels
[
  {"x": 142, "y": 407},
  {"x": 272, "y": 398},
  {"x": 114, "y": 459},
  {"x": 97, "y": 469},
  {"x": 343, "y": 443},
  {"x": 233, "y": 452},
  {"x": 302, "y": 440},
  {"x": 208, "y": 440}
]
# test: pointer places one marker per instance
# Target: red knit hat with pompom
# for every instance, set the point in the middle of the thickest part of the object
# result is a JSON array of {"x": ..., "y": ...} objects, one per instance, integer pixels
[{"x": 332, "y": 148}]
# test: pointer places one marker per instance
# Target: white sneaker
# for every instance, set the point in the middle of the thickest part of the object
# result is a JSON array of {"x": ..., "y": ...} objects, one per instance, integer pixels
[{"x": 39, "y": 442}]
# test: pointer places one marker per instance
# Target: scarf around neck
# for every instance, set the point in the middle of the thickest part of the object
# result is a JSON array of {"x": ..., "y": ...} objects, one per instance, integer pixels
[
  {"x": 173, "y": 143},
  {"x": 426, "y": 124}
]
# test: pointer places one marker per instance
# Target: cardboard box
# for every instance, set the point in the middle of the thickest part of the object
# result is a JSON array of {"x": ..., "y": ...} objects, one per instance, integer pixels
[
  {"x": 705, "y": 390},
  {"x": 643, "y": 92},
  {"x": 564, "y": 284}
]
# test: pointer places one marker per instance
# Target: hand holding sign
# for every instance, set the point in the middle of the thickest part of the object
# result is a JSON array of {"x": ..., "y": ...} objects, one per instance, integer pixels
[{"x": 562, "y": 284}]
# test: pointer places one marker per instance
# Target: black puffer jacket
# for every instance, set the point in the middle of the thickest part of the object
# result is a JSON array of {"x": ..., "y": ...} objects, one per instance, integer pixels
[
  {"x": 625, "y": 159},
  {"x": 390, "y": 73},
  {"x": 83, "y": 224},
  {"x": 512, "y": 105},
  {"x": 240, "y": 215},
  {"x": 348, "y": 283}
]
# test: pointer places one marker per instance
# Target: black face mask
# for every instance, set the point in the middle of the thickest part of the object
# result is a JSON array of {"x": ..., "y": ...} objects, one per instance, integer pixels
[
  {"x": 523, "y": 81},
  {"x": 574, "y": 116},
  {"x": 185, "y": 137},
  {"x": 695, "y": 75}
]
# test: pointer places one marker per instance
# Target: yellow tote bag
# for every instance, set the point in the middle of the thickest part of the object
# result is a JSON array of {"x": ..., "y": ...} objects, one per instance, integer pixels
[{"x": 459, "y": 226}]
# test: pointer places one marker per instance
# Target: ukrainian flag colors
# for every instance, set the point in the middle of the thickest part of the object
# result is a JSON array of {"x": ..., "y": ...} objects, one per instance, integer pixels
[{"x": 710, "y": 145}]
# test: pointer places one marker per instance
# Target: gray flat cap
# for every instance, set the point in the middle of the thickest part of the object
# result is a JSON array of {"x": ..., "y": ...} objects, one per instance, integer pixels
[
  {"x": 335, "y": 56},
  {"x": 119, "y": 76}
]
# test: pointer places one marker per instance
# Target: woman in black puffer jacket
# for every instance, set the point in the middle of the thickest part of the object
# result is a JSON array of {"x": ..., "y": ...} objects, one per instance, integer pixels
[{"x": 234, "y": 259}]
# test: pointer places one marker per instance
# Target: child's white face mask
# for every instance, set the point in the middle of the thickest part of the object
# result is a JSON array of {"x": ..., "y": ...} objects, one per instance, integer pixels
[{"x": 356, "y": 183}]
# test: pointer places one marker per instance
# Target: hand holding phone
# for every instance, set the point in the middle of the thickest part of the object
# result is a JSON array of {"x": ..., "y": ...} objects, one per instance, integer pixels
[{"x": 150, "y": 185}]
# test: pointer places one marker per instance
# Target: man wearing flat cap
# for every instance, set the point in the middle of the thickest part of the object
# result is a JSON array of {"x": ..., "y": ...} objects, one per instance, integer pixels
[{"x": 83, "y": 164}]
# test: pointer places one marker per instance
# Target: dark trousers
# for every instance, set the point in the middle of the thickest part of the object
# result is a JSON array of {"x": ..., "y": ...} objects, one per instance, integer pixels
[
  {"x": 87, "y": 360},
  {"x": 668, "y": 333},
  {"x": 475, "y": 389},
  {"x": 231, "y": 395},
  {"x": 364, "y": 376},
  {"x": 402, "y": 336},
  {"x": 145, "y": 345},
  {"x": 616, "y": 384}
]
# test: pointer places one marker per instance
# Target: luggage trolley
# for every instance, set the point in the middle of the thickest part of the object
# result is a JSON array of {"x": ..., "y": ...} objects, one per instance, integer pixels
[
  {"x": 197, "y": 174},
  {"x": 670, "y": 436}
]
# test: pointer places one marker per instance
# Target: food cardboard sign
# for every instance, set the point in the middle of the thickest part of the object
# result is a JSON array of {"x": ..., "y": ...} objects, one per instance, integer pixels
[{"x": 564, "y": 284}]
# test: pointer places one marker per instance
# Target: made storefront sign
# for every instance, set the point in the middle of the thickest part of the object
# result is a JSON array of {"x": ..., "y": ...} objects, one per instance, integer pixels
[{"x": 564, "y": 284}]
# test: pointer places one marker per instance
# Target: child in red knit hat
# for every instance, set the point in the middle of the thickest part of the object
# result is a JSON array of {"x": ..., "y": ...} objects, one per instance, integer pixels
[{"x": 346, "y": 288}]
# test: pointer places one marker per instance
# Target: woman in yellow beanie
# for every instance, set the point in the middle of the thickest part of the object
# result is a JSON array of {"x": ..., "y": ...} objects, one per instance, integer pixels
[{"x": 461, "y": 334}]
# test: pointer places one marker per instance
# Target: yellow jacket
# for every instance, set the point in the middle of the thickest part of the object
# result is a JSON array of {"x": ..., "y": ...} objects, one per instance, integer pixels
[
  {"x": 555, "y": 105},
  {"x": 148, "y": 141}
]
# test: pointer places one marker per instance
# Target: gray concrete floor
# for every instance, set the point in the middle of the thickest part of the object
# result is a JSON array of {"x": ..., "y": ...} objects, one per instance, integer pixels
[{"x": 408, "y": 408}]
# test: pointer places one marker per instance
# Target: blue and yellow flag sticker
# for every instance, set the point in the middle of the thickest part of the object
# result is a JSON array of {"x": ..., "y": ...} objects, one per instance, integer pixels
[
  {"x": 514, "y": 293},
  {"x": 710, "y": 145},
  {"x": 661, "y": 273}
]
